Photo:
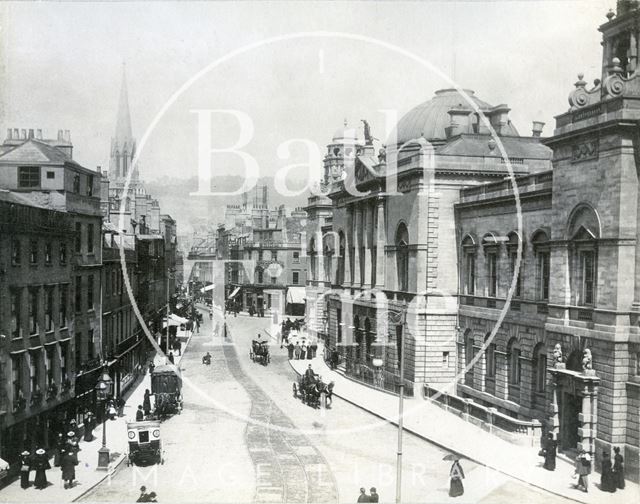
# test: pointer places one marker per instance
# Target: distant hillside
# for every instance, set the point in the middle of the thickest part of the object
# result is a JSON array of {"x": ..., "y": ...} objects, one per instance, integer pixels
[{"x": 196, "y": 211}]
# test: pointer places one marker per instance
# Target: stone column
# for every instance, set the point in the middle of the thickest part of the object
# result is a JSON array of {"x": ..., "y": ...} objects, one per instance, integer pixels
[
  {"x": 357, "y": 226},
  {"x": 380, "y": 243}
]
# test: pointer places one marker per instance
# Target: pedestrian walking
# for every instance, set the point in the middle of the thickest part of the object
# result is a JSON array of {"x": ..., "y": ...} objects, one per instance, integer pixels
[
  {"x": 89, "y": 425},
  {"x": 296, "y": 351},
  {"x": 139, "y": 414},
  {"x": 198, "y": 326},
  {"x": 314, "y": 349},
  {"x": 41, "y": 464},
  {"x": 146, "y": 402},
  {"x": 152, "y": 366},
  {"x": 583, "y": 469},
  {"x": 290, "y": 348},
  {"x": 120, "y": 402},
  {"x": 68, "y": 466},
  {"x": 618, "y": 468},
  {"x": 25, "y": 467},
  {"x": 363, "y": 497},
  {"x": 549, "y": 452},
  {"x": 59, "y": 447},
  {"x": 303, "y": 351},
  {"x": 373, "y": 495},
  {"x": 456, "y": 475},
  {"x": 607, "y": 481},
  {"x": 171, "y": 357}
]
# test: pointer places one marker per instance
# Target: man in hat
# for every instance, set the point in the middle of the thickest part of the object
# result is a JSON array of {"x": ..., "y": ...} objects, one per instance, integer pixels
[
  {"x": 363, "y": 497},
  {"x": 373, "y": 495},
  {"x": 139, "y": 414},
  {"x": 25, "y": 467}
]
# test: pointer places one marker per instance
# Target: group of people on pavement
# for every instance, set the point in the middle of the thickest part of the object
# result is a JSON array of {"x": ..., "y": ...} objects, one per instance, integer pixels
[
  {"x": 306, "y": 351},
  {"x": 65, "y": 456},
  {"x": 372, "y": 496},
  {"x": 612, "y": 477}
]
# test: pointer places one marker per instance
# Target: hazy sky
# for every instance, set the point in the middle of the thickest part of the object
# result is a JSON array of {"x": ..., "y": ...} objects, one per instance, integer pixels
[{"x": 61, "y": 68}]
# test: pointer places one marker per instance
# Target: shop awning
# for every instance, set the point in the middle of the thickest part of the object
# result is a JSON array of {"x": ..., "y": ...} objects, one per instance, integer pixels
[
  {"x": 296, "y": 295},
  {"x": 234, "y": 293},
  {"x": 178, "y": 318}
]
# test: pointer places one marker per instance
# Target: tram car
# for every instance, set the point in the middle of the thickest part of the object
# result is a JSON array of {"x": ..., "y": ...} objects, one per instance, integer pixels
[{"x": 145, "y": 443}]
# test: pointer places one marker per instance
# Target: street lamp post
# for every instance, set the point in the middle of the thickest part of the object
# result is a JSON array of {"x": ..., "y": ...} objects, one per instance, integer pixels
[
  {"x": 400, "y": 318},
  {"x": 103, "y": 389}
]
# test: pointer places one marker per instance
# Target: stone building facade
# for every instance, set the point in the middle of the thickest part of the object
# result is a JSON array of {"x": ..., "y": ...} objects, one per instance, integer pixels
[
  {"x": 44, "y": 175},
  {"x": 577, "y": 294},
  {"x": 381, "y": 241}
]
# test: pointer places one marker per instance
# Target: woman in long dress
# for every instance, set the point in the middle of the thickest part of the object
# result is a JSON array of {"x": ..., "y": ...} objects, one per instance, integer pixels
[
  {"x": 550, "y": 453},
  {"x": 618, "y": 468},
  {"x": 68, "y": 465},
  {"x": 607, "y": 483},
  {"x": 41, "y": 464},
  {"x": 25, "y": 461},
  {"x": 456, "y": 488}
]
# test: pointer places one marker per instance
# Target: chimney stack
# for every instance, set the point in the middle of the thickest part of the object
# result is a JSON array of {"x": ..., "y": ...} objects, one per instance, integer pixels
[
  {"x": 9, "y": 133},
  {"x": 30, "y": 133},
  {"x": 39, "y": 134},
  {"x": 537, "y": 128},
  {"x": 23, "y": 134},
  {"x": 16, "y": 134},
  {"x": 59, "y": 134},
  {"x": 67, "y": 135}
]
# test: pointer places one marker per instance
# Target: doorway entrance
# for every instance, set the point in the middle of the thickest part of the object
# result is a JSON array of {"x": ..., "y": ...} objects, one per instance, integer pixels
[{"x": 570, "y": 409}]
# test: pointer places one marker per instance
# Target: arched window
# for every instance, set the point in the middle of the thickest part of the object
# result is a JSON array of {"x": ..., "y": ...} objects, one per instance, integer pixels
[
  {"x": 514, "y": 368},
  {"x": 491, "y": 250},
  {"x": 402, "y": 257},
  {"x": 583, "y": 232},
  {"x": 468, "y": 357},
  {"x": 469, "y": 268},
  {"x": 512, "y": 248},
  {"x": 259, "y": 275},
  {"x": 341, "y": 259},
  {"x": 358, "y": 338},
  {"x": 328, "y": 262},
  {"x": 490, "y": 366},
  {"x": 369, "y": 339},
  {"x": 542, "y": 251},
  {"x": 540, "y": 367}
]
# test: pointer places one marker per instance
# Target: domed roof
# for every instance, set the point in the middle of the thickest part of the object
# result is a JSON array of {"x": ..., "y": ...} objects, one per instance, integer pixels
[
  {"x": 345, "y": 135},
  {"x": 430, "y": 118}
]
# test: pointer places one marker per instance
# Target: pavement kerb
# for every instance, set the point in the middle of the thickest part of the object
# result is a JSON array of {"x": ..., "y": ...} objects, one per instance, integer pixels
[
  {"x": 112, "y": 469},
  {"x": 439, "y": 444}
]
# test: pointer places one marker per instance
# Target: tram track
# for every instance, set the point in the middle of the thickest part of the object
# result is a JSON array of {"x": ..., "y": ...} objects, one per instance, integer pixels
[{"x": 288, "y": 467}]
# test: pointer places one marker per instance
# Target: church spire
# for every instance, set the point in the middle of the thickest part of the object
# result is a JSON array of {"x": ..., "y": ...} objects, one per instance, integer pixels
[
  {"x": 123, "y": 145},
  {"x": 123, "y": 124}
]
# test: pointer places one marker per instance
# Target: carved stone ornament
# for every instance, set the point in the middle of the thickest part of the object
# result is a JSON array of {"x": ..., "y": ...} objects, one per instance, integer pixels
[
  {"x": 581, "y": 97},
  {"x": 585, "y": 150}
]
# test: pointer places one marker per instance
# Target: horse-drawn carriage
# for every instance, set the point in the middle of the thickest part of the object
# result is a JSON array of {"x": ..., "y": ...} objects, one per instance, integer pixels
[
  {"x": 166, "y": 386},
  {"x": 313, "y": 391},
  {"x": 259, "y": 352}
]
